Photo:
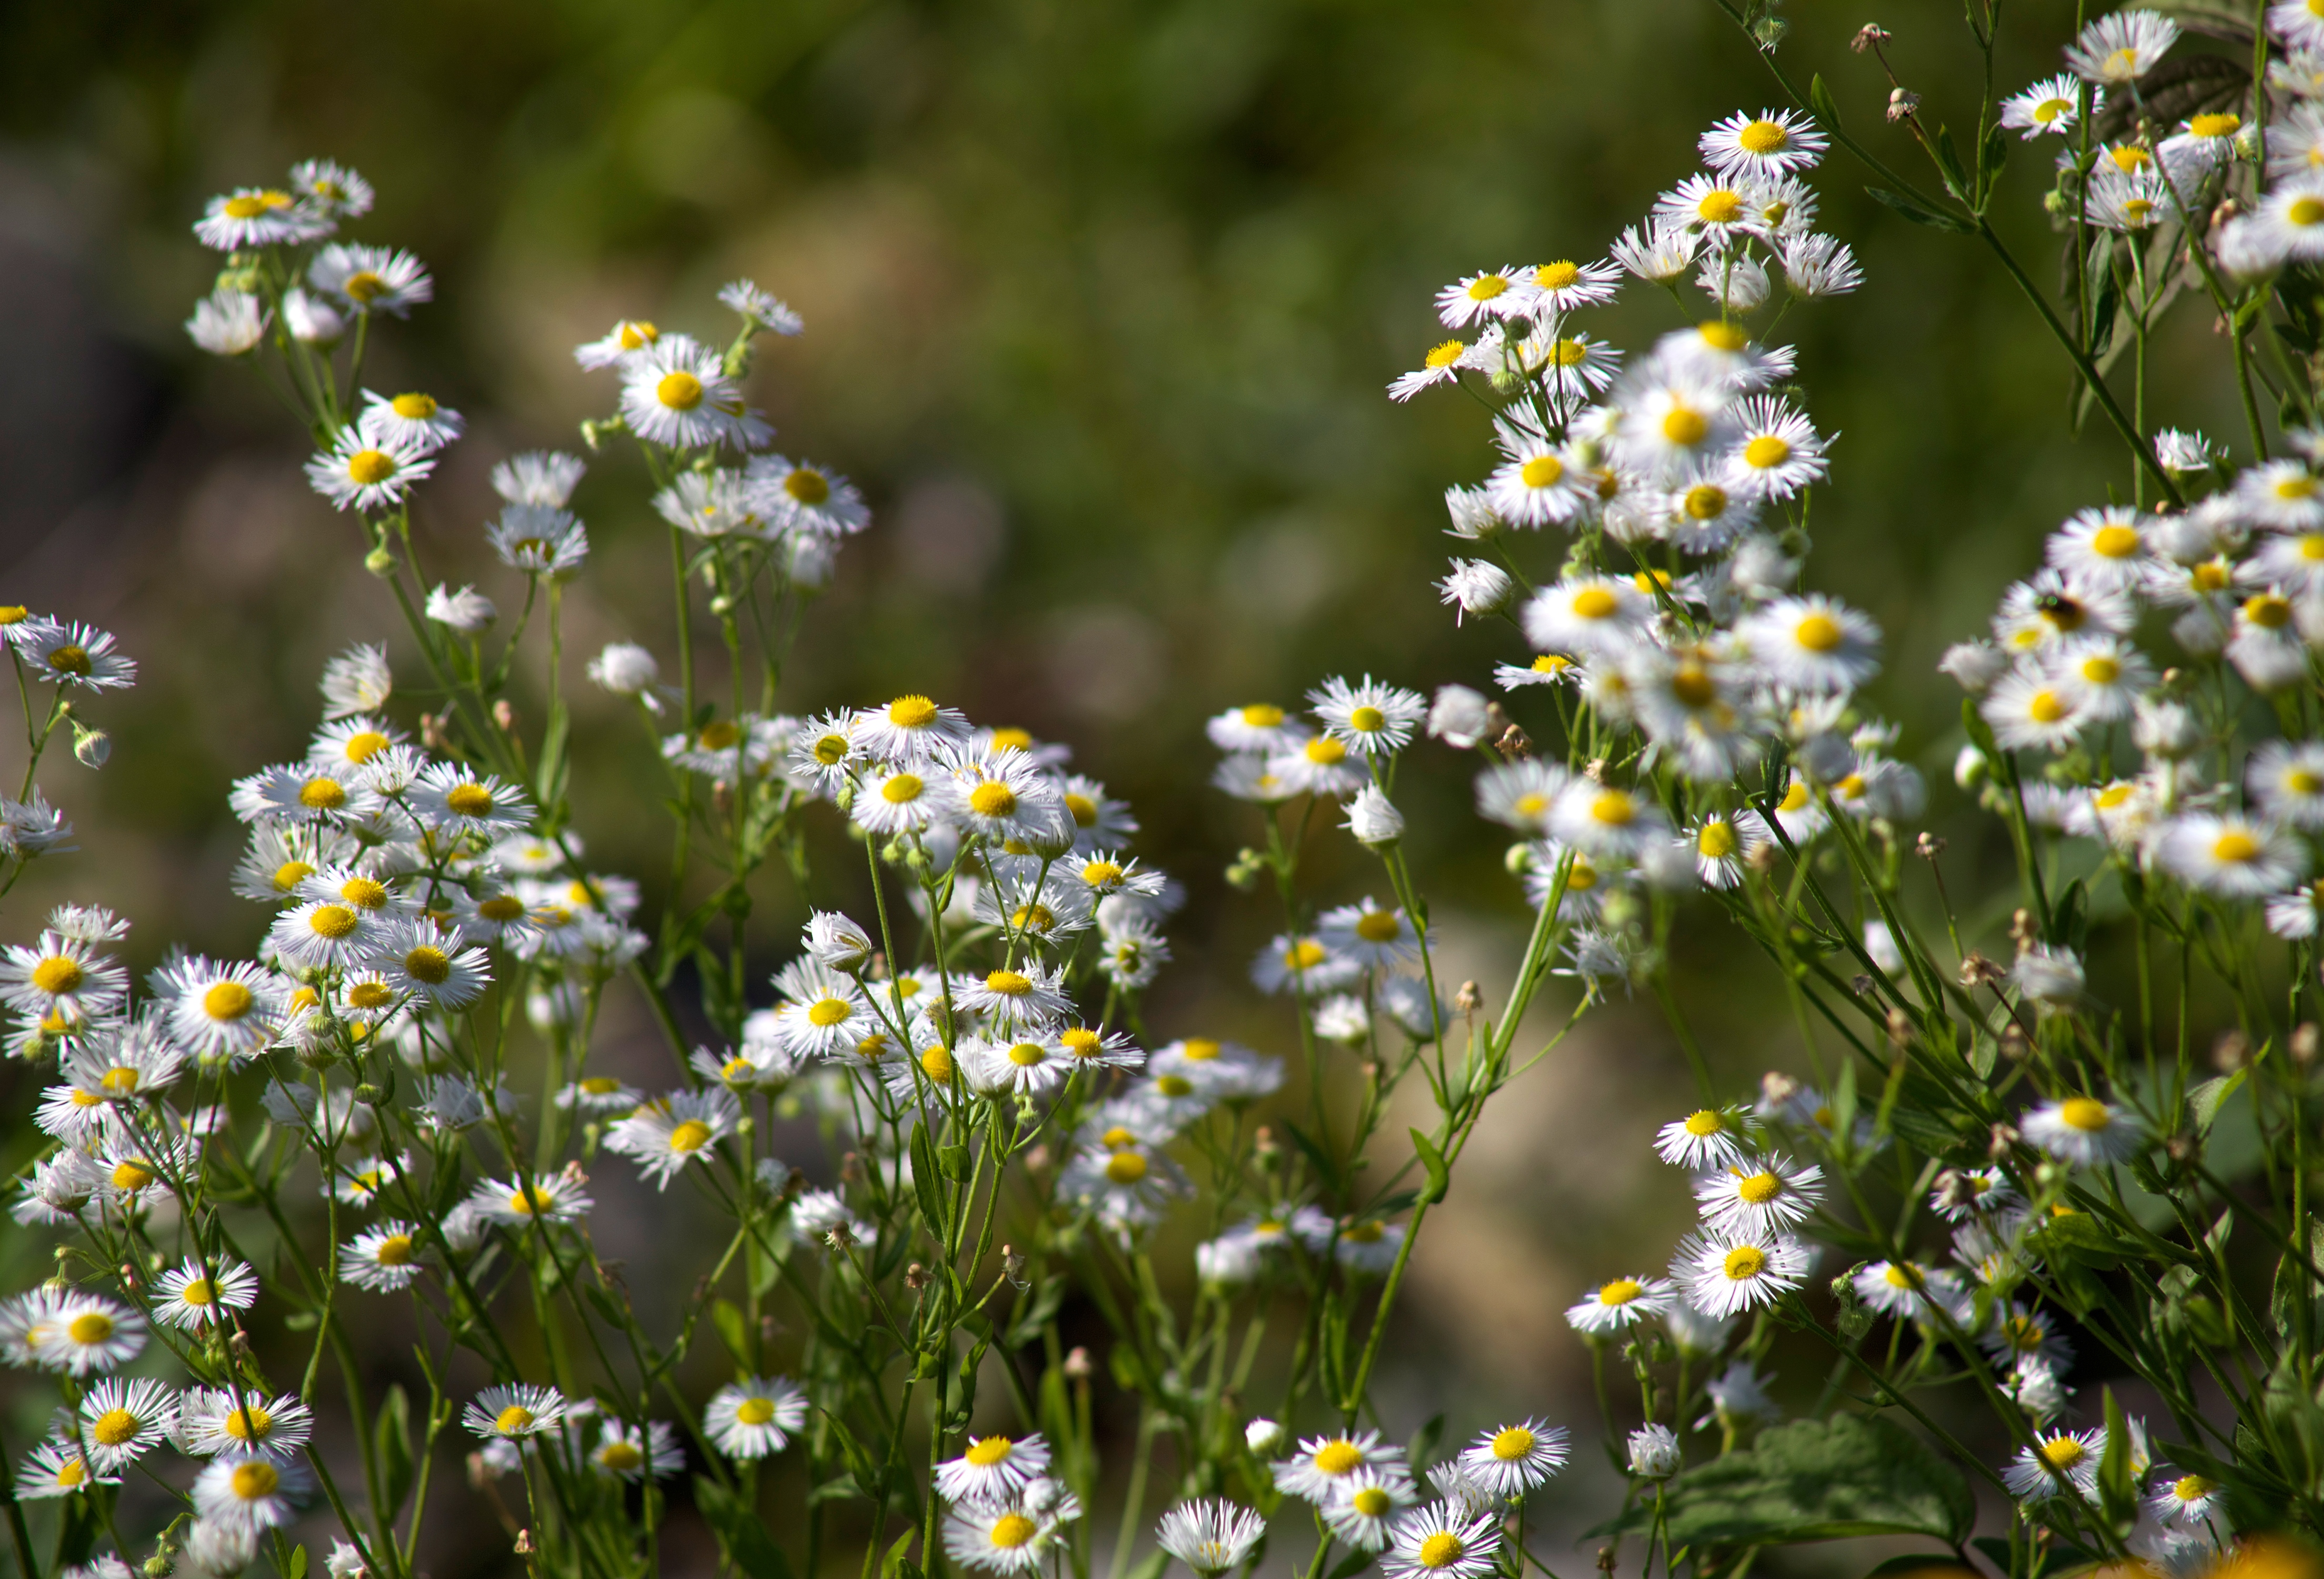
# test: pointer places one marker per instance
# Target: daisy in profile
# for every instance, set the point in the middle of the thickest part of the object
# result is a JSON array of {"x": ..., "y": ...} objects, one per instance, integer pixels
[
  {"x": 1441, "y": 364},
  {"x": 72, "y": 654},
  {"x": 1442, "y": 1541},
  {"x": 2286, "y": 781},
  {"x": 58, "y": 1468},
  {"x": 1481, "y": 298},
  {"x": 546, "y": 1198},
  {"x": 2121, "y": 46},
  {"x": 908, "y": 730},
  {"x": 1706, "y": 1137},
  {"x": 2233, "y": 856},
  {"x": 1257, "y": 727},
  {"x": 993, "y": 1469},
  {"x": 766, "y": 312},
  {"x": 459, "y": 800},
  {"x": 539, "y": 539},
  {"x": 2052, "y": 104},
  {"x": 1723, "y": 844},
  {"x": 627, "y": 338},
  {"x": 218, "y": 1420},
  {"x": 189, "y": 1297},
  {"x": 371, "y": 279},
  {"x": 257, "y": 217},
  {"x": 624, "y": 1453},
  {"x": 1910, "y": 1291},
  {"x": 663, "y": 1136},
  {"x": 2083, "y": 1131},
  {"x": 1591, "y": 616},
  {"x": 367, "y": 469},
  {"x": 1012, "y": 1536},
  {"x": 1373, "y": 935},
  {"x": 1622, "y": 1302},
  {"x": 511, "y": 1413},
  {"x": 1210, "y": 1536},
  {"x": 2063, "y": 1459},
  {"x": 1513, "y": 1460},
  {"x": 1563, "y": 285},
  {"x": 1321, "y": 766},
  {"x": 1324, "y": 1465},
  {"x": 385, "y": 1259},
  {"x": 2290, "y": 222},
  {"x": 676, "y": 392},
  {"x": 331, "y": 188},
  {"x": 1727, "y": 1271},
  {"x": 413, "y": 418},
  {"x": 750, "y": 1419}
]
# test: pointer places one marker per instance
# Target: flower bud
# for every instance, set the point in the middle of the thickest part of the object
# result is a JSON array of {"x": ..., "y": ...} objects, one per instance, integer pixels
[
  {"x": 1373, "y": 819},
  {"x": 1654, "y": 1453},
  {"x": 1974, "y": 665},
  {"x": 91, "y": 747},
  {"x": 624, "y": 668},
  {"x": 1264, "y": 1437},
  {"x": 1459, "y": 716},
  {"x": 1478, "y": 587}
]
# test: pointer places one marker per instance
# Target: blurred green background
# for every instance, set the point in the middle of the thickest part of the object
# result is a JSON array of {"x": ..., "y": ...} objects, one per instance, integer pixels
[{"x": 1101, "y": 298}]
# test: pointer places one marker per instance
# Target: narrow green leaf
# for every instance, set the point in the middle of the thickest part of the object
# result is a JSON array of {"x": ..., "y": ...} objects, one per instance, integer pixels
[
  {"x": 727, "y": 1317},
  {"x": 1918, "y": 215},
  {"x": 1439, "y": 1175},
  {"x": 391, "y": 1437},
  {"x": 1819, "y": 100}
]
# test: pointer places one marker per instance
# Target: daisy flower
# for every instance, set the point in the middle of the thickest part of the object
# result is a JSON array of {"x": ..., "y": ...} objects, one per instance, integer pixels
[
  {"x": 676, "y": 392},
  {"x": 1304, "y": 965},
  {"x": 458, "y": 801},
  {"x": 1908, "y": 1290},
  {"x": 2052, "y": 104},
  {"x": 2289, "y": 220},
  {"x": 1368, "y": 716},
  {"x": 1373, "y": 935},
  {"x": 228, "y": 322},
  {"x": 1672, "y": 424},
  {"x": 1813, "y": 643},
  {"x": 122, "y": 1421},
  {"x": 1706, "y": 1137},
  {"x": 1760, "y": 1195},
  {"x": 2236, "y": 857},
  {"x": 2286, "y": 781},
  {"x": 2101, "y": 676},
  {"x": 1772, "y": 143},
  {"x": 413, "y": 418},
  {"x": 513, "y": 1412},
  {"x": 1591, "y": 615},
  {"x": 1537, "y": 484},
  {"x": 368, "y": 469},
  {"x": 2189, "y": 1500},
  {"x": 1563, "y": 285},
  {"x": 219, "y": 1011},
  {"x": 1512, "y": 1460},
  {"x": 1210, "y": 1536},
  {"x": 427, "y": 965},
  {"x": 1006, "y": 796},
  {"x": 1441, "y": 365},
  {"x": 1495, "y": 294},
  {"x": 1442, "y": 1541},
  {"x": 547, "y": 1198},
  {"x": 753, "y": 1419},
  {"x": 252, "y": 1494},
  {"x": 1364, "y": 1517},
  {"x": 662, "y": 1136},
  {"x": 257, "y": 217},
  {"x": 1319, "y": 767},
  {"x": 1723, "y": 844},
  {"x": 1325, "y": 1465},
  {"x": 2064, "y": 1458},
  {"x": 1725, "y": 1272},
  {"x": 371, "y": 279},
  {"x": 1622, "y": 1302},
  {"x": 1659, "y": 251},
  {"x": 216, "y": 1420},
  {"x": 627, "y": 1454},
  {"x": 810, "y": 499},
  {"x": 326, "y": 936},
  {"x": 87, "y": 1333},
  {"x": 189, "y": 1297},
  {"x": 1012, "y": 1537},
  {"x": 2083, "y": 1131},
  {"x": 73, "y": 654},
  {"x": 1607, "y": 821},
  {"x": 1777, "y": 451},
  {"x": 624, "y": 340},
  {"x": 767, "y": 313},
  {"x": 539, "y": 539},
  {"x": 56, "y": 1468},
  {"x": 385, "y": 1259},
  {"x": 1259, "y": 726},
  {"x": 2031, "y": 712},
  {"x": 993, "y": 1469},
  {"x": 2122, "y": 46}
]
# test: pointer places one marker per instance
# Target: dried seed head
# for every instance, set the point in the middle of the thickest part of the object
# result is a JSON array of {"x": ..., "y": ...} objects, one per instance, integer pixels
[
  {"x": 915, "y": 1276},
  {"x": 1928, "y": 846},
  {"x": 2004, "y": 1138},
  {"x": 1469, "y": 999},
  {"x": 2022, "y": 932},
  {"x": 1902, "y": 103},
  {"x": 1900, "y": 1029},
  {"x": 1869, "y": 37},
  {"x": 1978, "y": 971}
]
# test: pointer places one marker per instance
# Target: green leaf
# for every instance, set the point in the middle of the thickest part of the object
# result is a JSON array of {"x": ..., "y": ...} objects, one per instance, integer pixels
[
  {"x": 1948, "y": 163},
  {"x": 1440, "y": 1176},
  {"x": 743, "y": 1539},
  {"x": 927, "y": 1185},
  {"x": 727, "y": 1317},
  {"x": 1353, "y": 1564},
  {"x": 2205, "y": 1101},
  {"x": 2296, "y": 1292},
  {"x": 1820, "y": 101},
  {"x": 1980, "y": 733},
  {"x": 2118, "y": 1490},
  {"x": 548, "y": 779},
  {"x": 893, "y": 1563},
  {"x": 1918, "y": 215},
  {"x": 391, "y": 1435},
  {"x": 297, "y": 1567},
  {"x": 1816, "y": 1479},
  {"x": 1934, "y": 1565},
  {"x": 1314, "y": 1155}
]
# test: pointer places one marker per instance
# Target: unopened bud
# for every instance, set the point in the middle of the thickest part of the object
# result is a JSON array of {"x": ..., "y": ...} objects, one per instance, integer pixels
[
  {"x": 2302, "y": 1047},
  {"x": 1869, "y": 37},
  {"x": 91, "y": 747},
  {"x": 1928, "y": 846},
  {"x": 2014, "y": 1047},
  {"x": 1077, "y": 1363},
  {"x": 524, "y": 1543},
  {"x": 1469, "y": 999},
  {"x": 2231, "y": 1052},
  {"x": 1902, "y": 103},
  {"x": 504, "y": 715},
  {"x": 915, "y": 1276},
  {"x": 1515, "y": 743},
  {"x": 379, "y": 563},
  {"x": 1999, "y": 1146},
  {"x": 2022, "y": 932},
  {"x": 1777, "y": 1087},
  {"x": 2180, "y": 1147}
]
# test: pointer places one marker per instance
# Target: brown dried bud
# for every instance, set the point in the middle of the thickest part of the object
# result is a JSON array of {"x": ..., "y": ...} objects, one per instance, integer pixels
[
  {"x": 1607, "y": 1558},
  {"x": 2303, "y": 1044},
  {"x": 851, "y": 1168},
  {"x": 1515, "y": 742},
  {"x": 1469, "y": 999},
  {"x": 524, "y": 1543},
  {"x": 2023, "y": 931},
  {"x": 915, "y": 1276},
  {"x": 2231, "y": 1052},
  {"x": 1012, "y": 1262},
  {"x": 1777, "y": 1087},
  {"x": 1263, "y": 1142},
  {"x": 1954, "y": 1193},
  {"x": 2014, "y": 1047},
  {"x": 2180, "y": 1147},
  {"x": 1595, "y": 770},
  {"x": 839, "y": 1236},
  {"x": 1978, "y": 971},
  {"x": 1900, "y": 1029},
  {"x": 1928, "y": 846},
  {"x": 794, "y": 1183},
  {"x": 2004, "y": 1138},
  {"x": 1077, "y": 1363},
  {"x": 1869, "y": 37},
  {"x": 504, "y": 715},
  {"x": 1902, "y": 103},
  {"x": 432, "y": 734},
  {"x": 129, "y": 1274}
]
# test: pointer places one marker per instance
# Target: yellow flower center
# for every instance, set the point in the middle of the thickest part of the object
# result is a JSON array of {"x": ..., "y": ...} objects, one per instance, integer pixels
[
  {"x": 470, "y": 800},
  {"x": 113, "y": 1427},
  {"x": 57, "y": 975},
  {"x": 828, "y": 1012},
  {"x": 1614, "y": 807},
  {"x": 501, "y": 908},
  {"x": 1746, "y": 1262},
  {"x": 2221, "y": 124},
  {"x": 755, "y": 1411},
  {"x": 2191, "y": 1488},
  {"x": 680, "y": 390},
  {"x": 1443, "y": 357},
  {"x": 1512, "y": 1442},
  {"x": 394, "y": 1250},
  {"x": 619, "y": 1454},
  {"x": 1900, "y": 1274},
  {"x": 1556, "y": 276},
  {"x": 993, "y": 799},
  {"x": 1371, "y": 1502},
  {"x": 1262, "y": 715},
  {"x": 691, "y": 1136},
  {"x": 1379, "y": 926},
  {"x": 901, "y": 790},
  {"x": 414, "y": 408},
  {"x": 369, "y": 466},
  {"x": 2305, "y": 212},
  {"x": 250, "y": 1424},
  {"x": 1706, "y": 502},
  {"x": 936, "y": 1064},
  {"x": 131, "y": 1177},
  {"x": 1795, "y": 799},
  {"x": 1441, "y": 1550},
  {"x": 1125, "y": 1168},
  {"x": 636, "y": 337},
  {"x": 1621, "y": 1291},
  {"x": 1704, "y": 1123},
  {"x": 1029, "y": 1055},
  {"x": 1008, "y": 983},
  {"x": 1763, "y": 137},
  {"x": 2268, "y": 611},
  {"x": 1720, "y": 206},
  {"x": 1722, "y": 336},
  {"x": 2063, "y": 1451},
  {"x": 1485, "y": 287},
  {"x": 807, "y": 485},
  {"x": 1338, "y": 1457},
  {"x": 1542, "y": 471},
  {"x": 512, "y": 1419},
  {"x": 322, "y": 794},
  {"x": 1325, "y": 753},
  {"x": 1011, "y": 1530},
  {"x": 92, "y": 1327},
  {"x": 2045, "y": 708},
  {"x": 255, "y": 1479},
  {"x": 364, "y": 286},
  {"x": 1766, "y": 452},
  {"x": 1685, "y": 426},
  {"x": 333, "y": 921},
  {"x": 1716, "y": 840},
  {"x": 2234, "y": 846},
  {"x": 2085, "y": 1114},
  {"x": 1758, "y": 1188}
]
